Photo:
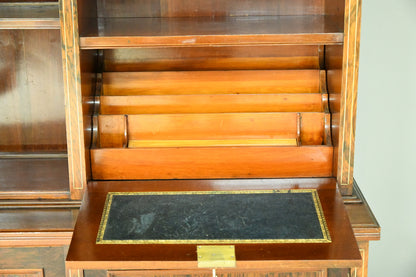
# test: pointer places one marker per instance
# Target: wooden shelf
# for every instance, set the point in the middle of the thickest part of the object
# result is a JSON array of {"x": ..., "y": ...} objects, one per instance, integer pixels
[
  {"x": 29, "y": 15},
  {"x": 32, "y": 178},
  {"x": 203, "y": 31}
]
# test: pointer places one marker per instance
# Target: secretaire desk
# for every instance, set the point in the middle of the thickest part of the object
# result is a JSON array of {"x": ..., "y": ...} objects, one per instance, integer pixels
[{"x": 203, "y": 138}]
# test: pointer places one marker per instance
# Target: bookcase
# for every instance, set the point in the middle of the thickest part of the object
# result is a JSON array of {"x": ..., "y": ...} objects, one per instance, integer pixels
[{"x": 161, "y": 95}]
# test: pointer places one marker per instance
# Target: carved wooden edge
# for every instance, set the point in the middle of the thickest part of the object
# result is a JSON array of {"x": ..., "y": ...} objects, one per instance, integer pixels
[
  {"x": 73, "y": 97},
  {"x": 35, "y": 239},
  {"x": 349, "y": 95},
  {"x": 363, "y": 232}
]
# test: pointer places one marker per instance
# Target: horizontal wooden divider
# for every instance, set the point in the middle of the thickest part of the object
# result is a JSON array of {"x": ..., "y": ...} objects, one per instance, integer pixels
[
  {"x": 115, "y": 130},
  {"x": 211, "y": 162},
  {"x": 212, "y": 103},
  {"x": 211, "y": 142},
  {"x": 197, "y": 31},
  {"x": 211, "y": 82},
  {"x": 269, "y": 57},
  {"x": 213, "y": 126}
]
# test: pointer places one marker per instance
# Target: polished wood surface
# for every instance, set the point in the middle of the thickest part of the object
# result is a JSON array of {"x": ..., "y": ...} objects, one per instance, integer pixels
[
  {"x": 31, "y": 107},
  {"x": 211, "y": 142},
  {"x": 308, "y": 128},
  {"x": 180, "y": 8},
  {"x": 29, "y": 15},
  {"x": 204, "y": 31},
  {"x": 112, "y": 131},
  {"x": 208, "y": 82},
  {"x": 213, "y": 103},
  {"x": 85, "y": 253},
  {"x": 212, "y": 58},
  {"x": 46, "y": 260},
  {"x": 34, "y": 219},
  {"x": 23, "y": 178},
  {"x": 211, "y": 162}
]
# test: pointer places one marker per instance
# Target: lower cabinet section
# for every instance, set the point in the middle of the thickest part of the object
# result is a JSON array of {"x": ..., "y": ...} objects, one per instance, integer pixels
[
  {"x": 32, "y": 261},
  {"x": 205, "y": 273}
]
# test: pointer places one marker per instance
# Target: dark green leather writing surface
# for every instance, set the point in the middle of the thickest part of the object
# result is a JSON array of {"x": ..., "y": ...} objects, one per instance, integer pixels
[{"x": 275, "y": 216}]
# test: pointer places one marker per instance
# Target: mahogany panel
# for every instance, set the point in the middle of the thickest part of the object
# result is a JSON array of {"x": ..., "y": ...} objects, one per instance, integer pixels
[
  {"x": 209, "y": 82},
  {"x": 135, "y": 8},
  {"x": 212, "y": 58},
  {"x": 212, "y": 126},
  {"x": 211, "y": 162},
  {"x": 208, "y": 31},
  {"x": 31, "y": 107},
  {"x": 18, "y": 220},
  {"x": 48, "y": 260},
  {"x": 180, "y": 8},
  {"x": 85, "y": 253},
  {"x": 33, "y": 178},
  {"x": 211, "y": 103}
]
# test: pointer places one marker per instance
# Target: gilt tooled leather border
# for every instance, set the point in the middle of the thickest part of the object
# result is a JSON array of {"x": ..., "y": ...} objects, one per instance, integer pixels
[{"x": 326, "y": 238}]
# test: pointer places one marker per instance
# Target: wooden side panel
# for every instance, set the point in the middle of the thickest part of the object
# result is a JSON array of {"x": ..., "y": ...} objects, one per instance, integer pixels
[
  {"x": 348, "y": 99},
  {"x": 211, "y": 103},
  {"x": 312, "y": 129},
  {"x": 212, "y": 58},
  {"x": 112, "y": 131},
  {"x": 209, "y": 82},
  {"x": 32, "y": 103},
  {"x": 212, "y": 162}
]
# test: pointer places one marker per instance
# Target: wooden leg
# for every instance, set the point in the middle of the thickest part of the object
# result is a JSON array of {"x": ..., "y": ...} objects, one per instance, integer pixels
[{"x": 362, "y": 271}]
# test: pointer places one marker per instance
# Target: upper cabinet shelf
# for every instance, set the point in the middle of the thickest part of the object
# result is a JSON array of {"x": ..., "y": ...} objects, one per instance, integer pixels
[
  {"x": 37, "y": 15},
  {"x": 116, "y": 32}
]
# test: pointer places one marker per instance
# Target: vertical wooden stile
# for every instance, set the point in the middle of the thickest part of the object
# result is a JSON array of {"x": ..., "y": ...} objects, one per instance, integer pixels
[
  {"x": 348, "y": 105},
  {"x": 73, "y": 97}
]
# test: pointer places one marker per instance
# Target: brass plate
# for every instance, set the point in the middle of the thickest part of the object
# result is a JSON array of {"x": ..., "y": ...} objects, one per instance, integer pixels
[{"x": 214, "y": 256}]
